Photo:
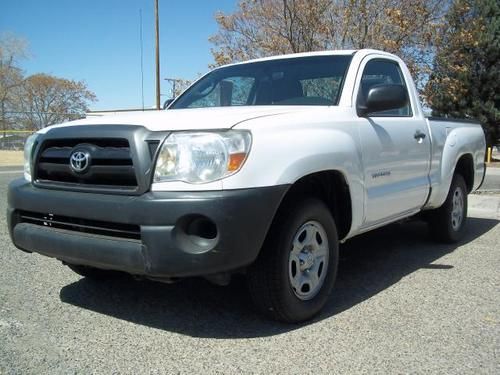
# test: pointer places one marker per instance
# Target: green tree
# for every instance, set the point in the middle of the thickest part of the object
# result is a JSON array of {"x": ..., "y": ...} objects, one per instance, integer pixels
[
  {"x": 48, "y": 100},
  {"x": 466, "y": 77}
]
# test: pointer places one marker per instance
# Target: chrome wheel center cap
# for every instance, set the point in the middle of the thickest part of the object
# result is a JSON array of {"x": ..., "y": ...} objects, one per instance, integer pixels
[{"x": 306, "y": 260}]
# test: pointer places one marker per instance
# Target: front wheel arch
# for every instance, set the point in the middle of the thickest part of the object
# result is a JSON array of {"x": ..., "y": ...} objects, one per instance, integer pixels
[{"x": 329, "y": 186}]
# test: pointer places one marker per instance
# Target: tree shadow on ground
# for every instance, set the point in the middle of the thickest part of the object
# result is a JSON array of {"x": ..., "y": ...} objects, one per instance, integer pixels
[{"x": 369, "y": 264}]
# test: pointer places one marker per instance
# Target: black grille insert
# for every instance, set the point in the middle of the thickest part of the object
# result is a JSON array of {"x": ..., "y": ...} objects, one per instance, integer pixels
[
  {"x": 111, "y": 163},
  {"x": 102, "y": 228}
]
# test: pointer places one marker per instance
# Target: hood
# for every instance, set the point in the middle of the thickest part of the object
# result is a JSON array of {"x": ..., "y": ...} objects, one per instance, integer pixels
[{"x": 187, "y": 119}]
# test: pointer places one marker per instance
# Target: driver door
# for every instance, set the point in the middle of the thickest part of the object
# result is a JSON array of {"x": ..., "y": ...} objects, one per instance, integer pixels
[{"x": 395, "y": 150}]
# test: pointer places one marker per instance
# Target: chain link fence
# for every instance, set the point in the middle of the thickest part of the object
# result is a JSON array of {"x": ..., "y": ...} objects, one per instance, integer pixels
[
  {"x": 13, "y": 137},
  {"x": 13, "y": 140},
  {"x": 11, "y": 147}
]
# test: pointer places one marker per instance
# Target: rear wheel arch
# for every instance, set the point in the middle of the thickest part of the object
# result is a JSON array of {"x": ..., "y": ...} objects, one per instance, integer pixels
[
  {"x": 447, "y": 223},
  {"x": 465, "y": 168}
]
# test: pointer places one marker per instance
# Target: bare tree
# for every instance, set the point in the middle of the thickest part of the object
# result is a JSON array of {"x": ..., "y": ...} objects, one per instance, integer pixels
[
  {"x": 260, "y": 28},
  {"x": 48, "y": 100},
  {"x": 12, "y": 49}
]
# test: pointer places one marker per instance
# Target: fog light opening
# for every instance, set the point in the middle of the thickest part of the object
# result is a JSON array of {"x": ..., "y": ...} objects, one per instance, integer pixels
[
  {"x": 202, "y": 227},
  {"x": 196, "y": 234}
]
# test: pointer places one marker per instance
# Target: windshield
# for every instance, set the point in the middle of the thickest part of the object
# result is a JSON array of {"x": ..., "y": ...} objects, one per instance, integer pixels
[{"x": 314, "y": 80}]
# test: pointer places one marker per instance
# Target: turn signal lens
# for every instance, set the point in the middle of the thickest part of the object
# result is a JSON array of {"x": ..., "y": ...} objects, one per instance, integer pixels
[{"x": 236, "y": 161}]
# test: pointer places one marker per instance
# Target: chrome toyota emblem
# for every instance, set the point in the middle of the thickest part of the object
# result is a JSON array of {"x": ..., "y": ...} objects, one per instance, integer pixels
[{"x": 79, "y": 161}]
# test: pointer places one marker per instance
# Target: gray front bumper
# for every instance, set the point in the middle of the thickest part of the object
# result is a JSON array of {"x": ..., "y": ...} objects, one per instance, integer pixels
[{"x": 242, "y": 219}]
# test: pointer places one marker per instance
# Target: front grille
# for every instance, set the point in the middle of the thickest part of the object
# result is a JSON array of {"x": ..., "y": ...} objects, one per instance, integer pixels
[
  {"x": 96, "y": 227},
  {"x": 110, "y": 165}
]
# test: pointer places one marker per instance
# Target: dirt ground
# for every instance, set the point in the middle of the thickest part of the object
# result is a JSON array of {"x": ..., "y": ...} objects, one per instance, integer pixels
[{"x": 11, "y": 158}]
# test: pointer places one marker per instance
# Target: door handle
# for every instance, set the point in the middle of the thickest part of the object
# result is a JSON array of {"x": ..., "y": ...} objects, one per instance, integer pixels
[{"x": 419, "y": 136}]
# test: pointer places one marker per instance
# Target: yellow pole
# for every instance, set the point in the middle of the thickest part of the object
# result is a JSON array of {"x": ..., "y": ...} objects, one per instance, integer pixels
[{"x": 488, "y": 157}]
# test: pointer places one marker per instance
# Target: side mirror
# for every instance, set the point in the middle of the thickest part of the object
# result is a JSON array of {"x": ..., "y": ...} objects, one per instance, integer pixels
[
  {"x": 383, "y": 98},
  {"x": 167, "y": 103}
]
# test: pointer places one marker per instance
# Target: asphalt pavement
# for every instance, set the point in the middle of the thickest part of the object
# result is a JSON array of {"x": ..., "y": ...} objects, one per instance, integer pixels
[{"x": 402, "y": 304}]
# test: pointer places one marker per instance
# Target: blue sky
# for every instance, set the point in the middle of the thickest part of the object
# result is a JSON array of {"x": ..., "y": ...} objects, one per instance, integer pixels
[{"x": 98, "y": 42}]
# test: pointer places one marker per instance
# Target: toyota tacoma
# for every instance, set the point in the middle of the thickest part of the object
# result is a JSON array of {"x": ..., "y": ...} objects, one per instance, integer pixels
[{"x": 259, "y": 168}]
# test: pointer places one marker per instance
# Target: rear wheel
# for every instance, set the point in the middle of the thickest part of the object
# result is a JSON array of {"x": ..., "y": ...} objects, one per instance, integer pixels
[
  {"x": 447, "y": 223},
  {"x": 296, "y": 269}
]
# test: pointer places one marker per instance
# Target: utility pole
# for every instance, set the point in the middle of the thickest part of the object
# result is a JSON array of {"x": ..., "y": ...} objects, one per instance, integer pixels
[
  {"x": 157, "y": 56},
  {"x": 173, "y": 82},
  {"x": 142, "y": 58}
]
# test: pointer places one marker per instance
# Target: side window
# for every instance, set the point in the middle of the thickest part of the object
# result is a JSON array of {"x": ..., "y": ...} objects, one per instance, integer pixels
[
  {"x": 379, "y": 72},
  {"x": 227, "y": 92}
]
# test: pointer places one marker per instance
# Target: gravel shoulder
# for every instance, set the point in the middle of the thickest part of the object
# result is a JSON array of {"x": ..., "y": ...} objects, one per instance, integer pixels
[
  {"x": 402, "y": 304},
  {"x": 11, "y": 158}
]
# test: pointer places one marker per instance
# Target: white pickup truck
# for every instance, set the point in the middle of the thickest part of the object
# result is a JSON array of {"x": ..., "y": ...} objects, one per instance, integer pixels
[{"x": 258, "y": 168}]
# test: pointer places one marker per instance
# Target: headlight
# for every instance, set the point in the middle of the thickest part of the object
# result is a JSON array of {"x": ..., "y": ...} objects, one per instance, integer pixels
[
  {"x": 202, "y": 157},
  {"x": 28, "y": 153}
]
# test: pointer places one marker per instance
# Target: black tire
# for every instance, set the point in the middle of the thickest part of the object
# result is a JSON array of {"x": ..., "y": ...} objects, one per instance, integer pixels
[
  {"x": 444, "y": 224},
  {"x": 93, "y": 273},
  {"x": 269, "y": 278}
]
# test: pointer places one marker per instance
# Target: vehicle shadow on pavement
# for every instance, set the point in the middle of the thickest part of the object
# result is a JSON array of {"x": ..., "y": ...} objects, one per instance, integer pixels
[{"x": 368, "y": 265}]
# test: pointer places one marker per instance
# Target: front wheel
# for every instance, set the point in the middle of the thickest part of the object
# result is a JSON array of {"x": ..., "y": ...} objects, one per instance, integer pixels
[
  {"x": 296, "y": 269},
  {"x": 447, "y": 223}
]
